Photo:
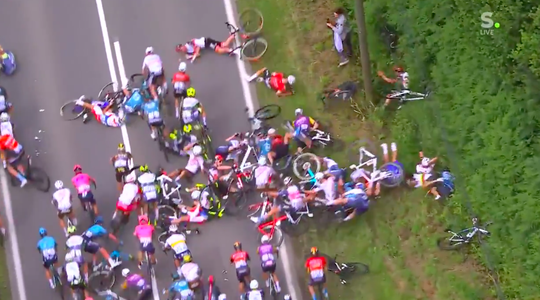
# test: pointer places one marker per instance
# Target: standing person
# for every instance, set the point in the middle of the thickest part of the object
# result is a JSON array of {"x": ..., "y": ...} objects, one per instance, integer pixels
[{"x": 342, "y": 36}]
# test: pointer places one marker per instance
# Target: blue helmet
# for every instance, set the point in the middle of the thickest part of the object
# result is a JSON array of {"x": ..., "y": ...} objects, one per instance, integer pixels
[
  {"x": 359, "y": 185},
  {"x": 98, "y": 220},
  {"x": 42, "y": 232}
]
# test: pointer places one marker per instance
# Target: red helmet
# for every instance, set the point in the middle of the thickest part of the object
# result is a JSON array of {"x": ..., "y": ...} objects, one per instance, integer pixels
[
  {"x": 398, "y": 69},
  {"x": 179, "y": 47},
  {"x": 77, "y": 169},
  {"x": 219, "y": 158}
]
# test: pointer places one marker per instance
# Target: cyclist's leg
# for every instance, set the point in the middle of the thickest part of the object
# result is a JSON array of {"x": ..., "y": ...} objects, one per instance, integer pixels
[
  {"x": 47, "y": 264},
  {"x": 276, "y": 279},
  {"x": 72, "y": 217},
  {"x": 61, "y": 221},
  {"x": 152, "y": 86},
  {"x": 93, "y": 202},
  {"x": 311, "y": 290},
  {"x": 119, "y": 180}
]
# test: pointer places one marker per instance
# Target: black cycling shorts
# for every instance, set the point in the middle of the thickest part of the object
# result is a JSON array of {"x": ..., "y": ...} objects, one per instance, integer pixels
[
  {"x": 211, "y": 43},
  {"x": 153, "y": 78}
]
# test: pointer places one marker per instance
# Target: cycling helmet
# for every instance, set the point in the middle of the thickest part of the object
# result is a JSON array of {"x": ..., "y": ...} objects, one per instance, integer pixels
[
  {"x": 271, "y": 131},
  {"x": 425, "y": 162},
  {"x": 219, "y": 158},
  {"x": 195, "y": 195},
  {"x": 298, "y": 111},
  {"x": 98, "y": 220},
  {"x": 71, "y": 229},
  {"x": 4, "y": 117},
  {"x": 42, "y": 232},
  {"x": 262, "y": 161},
  {"x": 222, "y": 297},
  {"x": 237, "y": 246},
  {"x": 187, "y": 258},
  {"x": 173, "y": 228},
  {"x": 143, "y": 168},
  {"x": 253, "y": 284},
  {"x": 287, "y": 180},
  {"x": 210, "y": 279},
  {"x": 291, "y": 80},
  {"x": 173, "y": 135},
  {"x": 131, "y": 177},
  {"x": 58, "y": 184},
  {"x": 182, "y": 67},
  {"x": 143, "y": 219},
  {"x": 190, "y": 92},
  {"x": 125, "y": 272},
  {"x": 319, "y": 176},
  {"x": 264, "y": 239},
  {"x": 314, "y": 251},
  {"x": 398, "y": 69},
  {"x": 149, "y": 50},
  {"x": 121, "y": 147},
  {"x": 77, "y": 169},
  {"x": 197, "y": 150}
]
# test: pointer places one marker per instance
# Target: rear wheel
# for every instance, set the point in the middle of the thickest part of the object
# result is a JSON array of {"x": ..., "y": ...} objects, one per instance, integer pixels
[
  {"x": 267, "y": 112},
  {"x": 71, "y": 111},
  {"x": 304, "y": 162},
  {"x": 276, "y": 237},
  {"x": 39, "y": 179},
  {"x": 254, "y": 49},
  {"x": 251, "y": 21},
  {"x": 101, "y": 281},
  {"x": 450, "y": 244}
]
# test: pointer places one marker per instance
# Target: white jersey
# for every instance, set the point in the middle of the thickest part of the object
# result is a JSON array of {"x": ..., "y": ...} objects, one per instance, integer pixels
[
  {"x": 254, "y": 295},
  {"x": 6, "y": 128},
  {"x": 190, "y": 47},
  {"x": 296, "y": 198},
  {"x": 73, "y": 272},
  {"x": 189, "y": 110},
  {"x": 63, "y": 199},
  {"x": 420, "y": 179},
  {"x": 153, "y": 63},
  {"x": 263, "y": 175},
  {"x": 177, "y": 242},
  {"x": 423, "y": 170},
  {"x": 190, "y": 271},
  {"x": 329, "y": 162},
  {"x": 148, "y": 186},
  {"x": 329, "y": 188},
  {"x": 74, "y": 242},
  {"x": 129, "y": 193},
  {"x": 195, "y": 162},
  {"x": 404, "y": 79},
  {"x": 204, "y": 200}
]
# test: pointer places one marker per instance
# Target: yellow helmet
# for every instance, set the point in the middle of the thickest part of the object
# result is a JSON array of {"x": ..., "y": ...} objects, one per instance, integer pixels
[
  {"x": 143, "y": 168},
  {"x": 121, "y": 147},
  {"x": 187, "y": 128},
  {"x": 187, "y": 258},
  {"x": 173, "y": 135},
  {"x": 190, "y": 92},
  {"x": 71, "y": 229}
]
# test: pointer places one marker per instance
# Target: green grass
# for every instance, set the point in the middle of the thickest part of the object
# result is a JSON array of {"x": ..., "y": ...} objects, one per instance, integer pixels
[
  {"x": 397, "y": 237},
  {"x": 5, "y": 292}
]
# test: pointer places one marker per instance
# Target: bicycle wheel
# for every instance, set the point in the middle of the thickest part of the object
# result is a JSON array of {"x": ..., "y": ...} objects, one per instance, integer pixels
[
  {"x": 276, "y": 238},
  {"x": 353, "y": 151},
  {"x": 451, "y": 243},
  {"x": 267, "y": 112},
  {"x": 39, "y": 179},
  {"x": 71, "y": 111},
  {"x": 161, "y": 142},
  {"x": 137, "y": 80},
  {"x": 101, "y": 281},
  {"x": 57, "y": 282},
  {"x": 352, "y": 268},
  {"x": 295, "y": 229},
  {"x": 251, "y": 21},
  {"x": 106, "y": 89},
  {"x": 253, "y": 49},
  {"x": 163, "y": 237},
  {"x": 304, "y": 162},
  {"x": 397, "y": 174},
  {"x": 237, "y": 200}
]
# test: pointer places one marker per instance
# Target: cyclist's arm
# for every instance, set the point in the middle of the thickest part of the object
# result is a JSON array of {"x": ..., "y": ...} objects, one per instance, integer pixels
[
  {"x": 426, "y": 183},
  {"x": 231, "y": 137},
  {"x": 201, "y": 108},
  {"x": 388, "y": 80},
  {"x": 196, "y": 52},
  {"x": 224, "y": 168},
  {"x": 189, "y": 146},
  {"x": 113, "y": 237}
]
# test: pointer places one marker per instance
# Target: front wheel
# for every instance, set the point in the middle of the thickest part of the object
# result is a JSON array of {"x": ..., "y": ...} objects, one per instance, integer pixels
[
  {"x": 254, "y": 49},
  {"x": 101, "y": 281},
  {"x": 305, "y": 163},
  {"x": 276, "y": 237},
  {"x": 396, "y": 174},
  {"x": 450, "y": 243},
  {"x": 71, "y": 111},
  {"x": 39, "y": 179}
]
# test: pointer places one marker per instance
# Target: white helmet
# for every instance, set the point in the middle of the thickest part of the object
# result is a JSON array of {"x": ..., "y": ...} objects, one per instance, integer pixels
[
  {"x": 173, "y": 228},
  {"x": 319, "y": 176},
  {"x": 291, "y": 79},
  {"x": 182, "y": 67},
  {"x": 58, "y": 184},
  {"x": 222, "y": 297},
  {"x": 425, "y": 162},
  {"x": 298, "y": 111},
  {"x": 197, "y": 150},
  {"x": 125, "y": 272},
  {"x": 254, "y": 284},
  {"x": 271, "y": 131},
  {"x": 195, "y": 195},
  {"x": 262, "y": 161},
  {"x": 4, "y": 117},
  {"x": 149, "y": 50},
  {"x": 131, "y": 177},
  {"x": 264, "y": 239}
]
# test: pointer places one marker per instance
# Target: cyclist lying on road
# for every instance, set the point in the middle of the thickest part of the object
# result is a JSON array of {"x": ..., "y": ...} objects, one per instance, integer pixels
[
  {"x": 179, "y": 289},
  {"x": 138, "y": 283},
  {"x": 133, "y": 99},
  {"x": 326, "y": 183},
  {"x": 401, "y": 81},
  {"x": 232, "y": 150},
  {"x": 179, "y": 139},
  {"x": 11, "y": 153},
  {"x": 193, "y": 48},
  {"x": 302, "y": 126},
  {"x": 355, "y": 198},
  {"x": 198, "y": 213},
  {"x": 275, "y": 81},
  {"x": 102, "y": 112},
  {"x": 194, "y": 164}
]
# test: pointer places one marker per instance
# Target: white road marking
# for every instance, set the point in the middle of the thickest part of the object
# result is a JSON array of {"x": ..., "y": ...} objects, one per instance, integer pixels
[
  {"x": 284, "y": 254},
  {"x": 114, "y": 78},
  {"x": 13, "y": 241}
]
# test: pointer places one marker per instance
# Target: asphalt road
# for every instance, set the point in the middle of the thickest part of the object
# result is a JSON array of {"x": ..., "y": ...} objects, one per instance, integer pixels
[{"x": 60, "y": 51}]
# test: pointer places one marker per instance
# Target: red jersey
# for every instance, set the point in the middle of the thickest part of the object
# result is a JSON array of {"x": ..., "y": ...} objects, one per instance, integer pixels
[
  {"x": 180, "y": 77},
  {"x": 276, "y": 141},
  {"x": 239, "y": 259},
  {"x": 8, "y": 142},
  {"x": 276, "y": 82},
  {"x": 315, "y": 266}
]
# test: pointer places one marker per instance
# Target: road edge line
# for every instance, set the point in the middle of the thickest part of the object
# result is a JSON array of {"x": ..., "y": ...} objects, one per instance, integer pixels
[{"x": 289, "y": 270}]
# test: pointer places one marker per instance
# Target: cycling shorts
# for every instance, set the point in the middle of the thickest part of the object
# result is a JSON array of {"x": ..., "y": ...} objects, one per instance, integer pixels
[
  {"x": 180, "y": 256},
  {"x": 127, "y": 208},
  {"x": 91, "y": 246},
  {"x": 242, "y": 273},
  {"x": 153, "y": 77},
  {"x": 147, "y": 247},
  {"x": 49, "y": 261},
  {"x": 87, "y": 197},
  {"x": 210, "y": 43},
  {"x": 157, "y": 123}
]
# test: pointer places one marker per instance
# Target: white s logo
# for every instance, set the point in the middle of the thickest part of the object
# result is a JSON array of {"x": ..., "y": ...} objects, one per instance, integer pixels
[{"x": 487, "y": 22}]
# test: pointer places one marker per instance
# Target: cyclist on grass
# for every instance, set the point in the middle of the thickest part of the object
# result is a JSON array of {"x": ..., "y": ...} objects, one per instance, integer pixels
[
  {"x": 180, "y": 82},
  {"x": 177, "y": 242},
  {"x": 61, "y": 199},
  {"x": 81, "y": 181},
  {"x": 268, "y": 261},
  {"x": 240, "y": 260},
  {"x": 302, "y": 126},
  {"x": 153, "y": 117},
  {"x": 95, "y": 232},
  {"x": 333, "y": 169},
  {"x": 325, "y": 183},
  {"x": 355, "y": 198},
  {"x": 426, "y": 164},
  {"x": 74, "y": 277},
  {"x": 191, "y": 272},
  {"x": 198, "y": 213},
  {"x": 102, "y": 112},
  {"x": 254, "y": 293},
  {"x": 48, "y": 249},
  {"x": 279, "y": 145},
  {"x": 120, "y": 161},
  {"x": 152, "y": 69},
  {"x": 316, "y": 266},
  {"x": 138, "y": 283},
  {"x": 192, "y": 109},
  {"x": 193, "y": 48},
  {"x": 129, "y": 198},
  {"x": 401, "y": 81},
  {"x": 143, "y": 232},
  {"x": 148, "y": 183},
  {"x": 275, "y": 81},
  {"x": 11, "y": 153},
  {"x": 179, "y": 289}
]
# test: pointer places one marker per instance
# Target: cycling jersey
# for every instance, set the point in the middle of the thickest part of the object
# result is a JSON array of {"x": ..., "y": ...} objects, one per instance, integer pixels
[
  {"x": 316, "y": 266},
  {"x": 190, "y": 271},
  {"x": 266, "y": 253},
  {"x": 199, "y": 213},
  {"x": 134, "y": 102},
  {"x": 74, "y": 245},
  {"x": 276, "y": 82},
  {"x": 181, "y": 287},
  {"x": 403, "y": 79},
  {"x": 151, "y": 110},
  {"x": 240, "y": 259},
  {"x": 357, "y": 199},
  {"x": 127, "y": 200},
  {"x": 147, "y": 181},
  {"x": 120, "y": 162},
  {"x": 190, "y": 110},
  {"x": 329, "y": 188},
  {"x": 230, "y": 151},
  {"x": 153, "y": 63},
  {"x": 263, "y": 175},
  {"x": 9, "y": 143},
  {"x": 294, "y": 195},
  {"x": 144, "y": 234},
  {"x": 181, "y": 82},
  {"x": 62, "y": 197},
  {"x": 265, "y": 146},
  {"x": 424, "y": 170},
  {"x": 4, "y": 104},
  {"x": 82, "y": 182},
  {"x": 302, "y": 124},
  {"x": 73, "y": 273},
  {"x": 47, "y": 247},
  {"x": 95, "y": 231},
  {"x": 203, "y": 43},
  {"x": 137, "y": 282},
  {"x": 6, "y": 128},
  {"x": 177, "y": 242},
  {"x": 195, "y": 162},
  {"x": 255, "y": 295},
  {"x": 106, "y": 118}
]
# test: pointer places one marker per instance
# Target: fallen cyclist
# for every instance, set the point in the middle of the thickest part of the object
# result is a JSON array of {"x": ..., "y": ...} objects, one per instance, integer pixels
[
  {"x": 133, "y": 98},
  {"x": 102, "y": 111},
  {"x": 279, "y": 145},
  {"x": 426, "y": 164},
  {"x": 193, "y": 48},
  {"x": 178, "y": 140},
  {"x": 354, "y": 198},
  {"x": 179, "y": 289},
  {"x": 401, "y": 82},
  {"x": 138, "y": 283},
  {"x": 302, "y": 126},
  {"x": 275, "y": 81},
  {"x": 441, "y": 187}
]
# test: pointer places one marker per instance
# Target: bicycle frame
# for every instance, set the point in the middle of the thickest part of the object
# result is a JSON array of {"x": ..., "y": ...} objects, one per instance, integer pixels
[
  {"x": 371, "y": 162},
  {"x": 162, "y": 179},
  {"x": 471, "y": 232},
  {"x": 272, "y": 224},
  {"x": 321, "y": 136}
]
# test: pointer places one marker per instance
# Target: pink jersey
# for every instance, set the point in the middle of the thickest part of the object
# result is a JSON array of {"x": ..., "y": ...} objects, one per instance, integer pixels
[
  {"x": 81, "y": 182},
  {"x": 144, "y": 232}
]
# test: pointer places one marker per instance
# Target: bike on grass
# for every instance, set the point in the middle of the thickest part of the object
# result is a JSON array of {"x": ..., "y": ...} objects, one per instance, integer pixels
[
  {"x": 460, "y": 239},
  {"x": 36, "y": 176},
  {"x": 252, "y": 46}
]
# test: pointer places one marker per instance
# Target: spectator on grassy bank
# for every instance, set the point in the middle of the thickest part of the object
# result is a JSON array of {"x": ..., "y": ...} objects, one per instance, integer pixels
[{"x": 342, "y": 36}]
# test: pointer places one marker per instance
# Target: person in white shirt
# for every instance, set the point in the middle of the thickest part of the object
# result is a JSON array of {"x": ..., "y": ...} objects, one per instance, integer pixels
[
  {"x": 6, "y": 127},
  {"x": 191, "y": 272},
  {"x": 192, "y": 49},
  {"x": 426, "y": 164},
  {"x": 194, "y": 164},
  {"x": 263, "y": 174},
  {"x": 326, "y": 183},
  {"x": 152, "y": 68},
  {"x": 129, "y": 197},
  {"x": 292, "y": 193},
  {"x": 62, "y": 202},
  {"x": 177, "y": 242}
]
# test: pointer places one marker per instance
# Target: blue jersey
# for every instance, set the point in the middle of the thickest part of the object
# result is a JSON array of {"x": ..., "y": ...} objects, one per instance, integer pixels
[
  {"x": 95, "y": 231},
  {"x": 134, "y": 102},
  {"x": 356, "y": 198},
  {"x": 179, "y": 286},
  {"x": 151, "y": 110},
  {"x": 265, "y": 145},
  {"x": 46, "y": 243}
]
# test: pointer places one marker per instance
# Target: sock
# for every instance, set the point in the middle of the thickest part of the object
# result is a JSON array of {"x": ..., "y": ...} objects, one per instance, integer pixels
[
  {"x": 384, "y": 147},
  {"x": 393, "y": 146},
  {"x": 20, "y": 177}
]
